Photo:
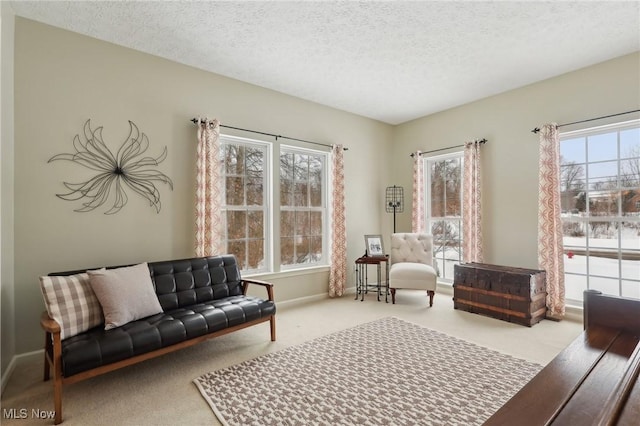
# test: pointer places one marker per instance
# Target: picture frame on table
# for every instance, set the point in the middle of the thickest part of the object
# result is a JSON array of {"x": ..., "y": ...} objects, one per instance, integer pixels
[{"x": 374, "y": 245}]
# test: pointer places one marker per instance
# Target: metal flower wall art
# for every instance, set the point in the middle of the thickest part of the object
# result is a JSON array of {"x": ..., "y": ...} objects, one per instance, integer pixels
[{"x": 128, "y": 170}]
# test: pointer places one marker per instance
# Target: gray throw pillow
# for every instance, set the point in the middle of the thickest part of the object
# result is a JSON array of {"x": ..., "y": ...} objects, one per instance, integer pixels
[{"x": 125, "y": 294}]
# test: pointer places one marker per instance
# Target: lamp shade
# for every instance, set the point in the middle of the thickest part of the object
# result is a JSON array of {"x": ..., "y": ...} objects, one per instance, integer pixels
[{"x": 394, "y": 199}]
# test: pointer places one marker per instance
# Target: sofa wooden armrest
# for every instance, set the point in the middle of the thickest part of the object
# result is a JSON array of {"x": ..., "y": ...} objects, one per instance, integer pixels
[
  {"x": 48, "y": 324},
  {"x": 269, "y": 287}
]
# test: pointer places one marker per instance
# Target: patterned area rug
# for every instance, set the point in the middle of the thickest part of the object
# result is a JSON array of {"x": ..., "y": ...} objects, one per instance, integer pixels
[{"x": 386, "y": 372}]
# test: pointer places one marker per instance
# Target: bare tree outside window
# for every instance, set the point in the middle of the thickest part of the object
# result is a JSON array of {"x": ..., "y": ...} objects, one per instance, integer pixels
[
  {"x": 248, "y": 217},
  {"x": 244, "y": 174},
  {"x": 572, "y": 186},
  {"x": 444, "y": 210},
  {"x": 302, "y": 206},
  {"x": 630, "y": 182},
  {"x": 571, "y": 175}
]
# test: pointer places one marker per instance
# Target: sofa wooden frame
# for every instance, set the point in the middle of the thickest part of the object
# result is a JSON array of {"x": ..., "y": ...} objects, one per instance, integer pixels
[{"x": 53, "y": 349}]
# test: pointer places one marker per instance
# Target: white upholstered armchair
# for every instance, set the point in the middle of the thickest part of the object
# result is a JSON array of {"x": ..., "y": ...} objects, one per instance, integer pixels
[{"x": 412, "y": 264}]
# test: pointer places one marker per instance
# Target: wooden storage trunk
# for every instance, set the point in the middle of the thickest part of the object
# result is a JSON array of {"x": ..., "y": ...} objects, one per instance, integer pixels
[{"x": 511, "y": 294}]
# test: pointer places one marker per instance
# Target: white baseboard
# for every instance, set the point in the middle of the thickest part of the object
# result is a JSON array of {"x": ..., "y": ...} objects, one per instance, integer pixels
[
  {"x": 445, "y": 288},
  {"x": 302, "y": 300},
  {"x": 7, "y": 374},
  {"x": 17, "y": 360},
  {"x": 574, "y": 313}
]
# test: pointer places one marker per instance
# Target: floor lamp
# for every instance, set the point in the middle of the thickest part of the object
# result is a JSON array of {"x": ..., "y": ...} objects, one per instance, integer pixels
[{"x": 394, "y": 201}]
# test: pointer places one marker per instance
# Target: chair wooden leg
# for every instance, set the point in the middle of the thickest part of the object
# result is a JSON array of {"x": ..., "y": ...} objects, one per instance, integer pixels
[
  {"x": 393, "y": 296},
  {"x": 431, "y": 293}
]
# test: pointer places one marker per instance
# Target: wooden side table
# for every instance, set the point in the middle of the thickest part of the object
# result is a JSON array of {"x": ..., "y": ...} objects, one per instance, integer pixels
[{"x": 362, "y": 284}]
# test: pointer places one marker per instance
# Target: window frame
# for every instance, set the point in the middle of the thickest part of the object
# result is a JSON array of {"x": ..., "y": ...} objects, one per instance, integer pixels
[
  {"x": 427, "y": 161},
  {"x": 584, "y": 221},
  {"x": 267, "y": 199},
  {"x": 271, "y": 205},
  {"x": 323, "y": 209}
]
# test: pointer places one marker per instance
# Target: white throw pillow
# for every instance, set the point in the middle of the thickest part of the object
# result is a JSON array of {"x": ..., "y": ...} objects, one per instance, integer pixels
[
  {"x": 71, "y": 302},
  {"x": 126, "y": 294}
]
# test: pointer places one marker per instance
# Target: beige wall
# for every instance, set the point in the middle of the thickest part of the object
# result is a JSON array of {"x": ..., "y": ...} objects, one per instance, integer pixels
[
  {"x": 510, "y": 158},
  {"x": 63, "y": 79},
  {"x": 7, "y": 20}
]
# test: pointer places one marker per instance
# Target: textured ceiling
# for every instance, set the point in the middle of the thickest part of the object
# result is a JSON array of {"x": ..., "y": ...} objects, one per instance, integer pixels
[{"x": 390, "y": 61}]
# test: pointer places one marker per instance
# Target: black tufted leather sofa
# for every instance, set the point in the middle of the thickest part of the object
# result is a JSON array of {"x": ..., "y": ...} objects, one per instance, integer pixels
[{"x": 201, "y": 298}]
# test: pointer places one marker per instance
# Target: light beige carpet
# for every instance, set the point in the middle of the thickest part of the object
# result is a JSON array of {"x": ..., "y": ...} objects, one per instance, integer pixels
[{"x": 388, "y": 371}]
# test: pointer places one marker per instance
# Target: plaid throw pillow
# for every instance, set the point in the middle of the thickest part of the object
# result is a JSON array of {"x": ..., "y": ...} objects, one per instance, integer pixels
[{"x": 72, "y": 303}]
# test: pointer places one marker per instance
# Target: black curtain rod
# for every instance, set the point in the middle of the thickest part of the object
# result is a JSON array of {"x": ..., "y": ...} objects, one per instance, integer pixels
[
  {"x": 536, "y": 130},
  {"x": 481, "y": 141},
  {"x": 195, "y": 120}
]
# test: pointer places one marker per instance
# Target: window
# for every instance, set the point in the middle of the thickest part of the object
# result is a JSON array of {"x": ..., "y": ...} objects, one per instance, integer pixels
[
  {"x": 600, "y": 195},
  {"x": 245, "y": 173},
  {"x": 303, "y": 218},
  {"x": 444, "y": 210},
  {"x": 250, "y": 216}
]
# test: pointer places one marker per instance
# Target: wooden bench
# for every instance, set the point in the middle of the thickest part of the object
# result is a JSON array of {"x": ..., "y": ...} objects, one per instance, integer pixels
[{"x": 594, "y": 381}]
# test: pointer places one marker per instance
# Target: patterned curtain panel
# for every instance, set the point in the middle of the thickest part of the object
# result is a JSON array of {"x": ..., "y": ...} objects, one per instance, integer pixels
[
  {"x": 417, "y": 211},
  {"x": 209, "y": 232},
  {"x": 471, "y": 204},
  {"x": 338, "y": 274},
  {"x": 550, "y": 248}
]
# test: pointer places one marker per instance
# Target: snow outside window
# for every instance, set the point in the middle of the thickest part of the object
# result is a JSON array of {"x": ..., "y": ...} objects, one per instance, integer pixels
[
  {"x": 600, "y": 196},
  {"x": 443, "y": 177}
]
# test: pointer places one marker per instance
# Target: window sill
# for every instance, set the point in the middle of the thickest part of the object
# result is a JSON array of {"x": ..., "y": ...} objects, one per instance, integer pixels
[{"x": 289, "y": 273}]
